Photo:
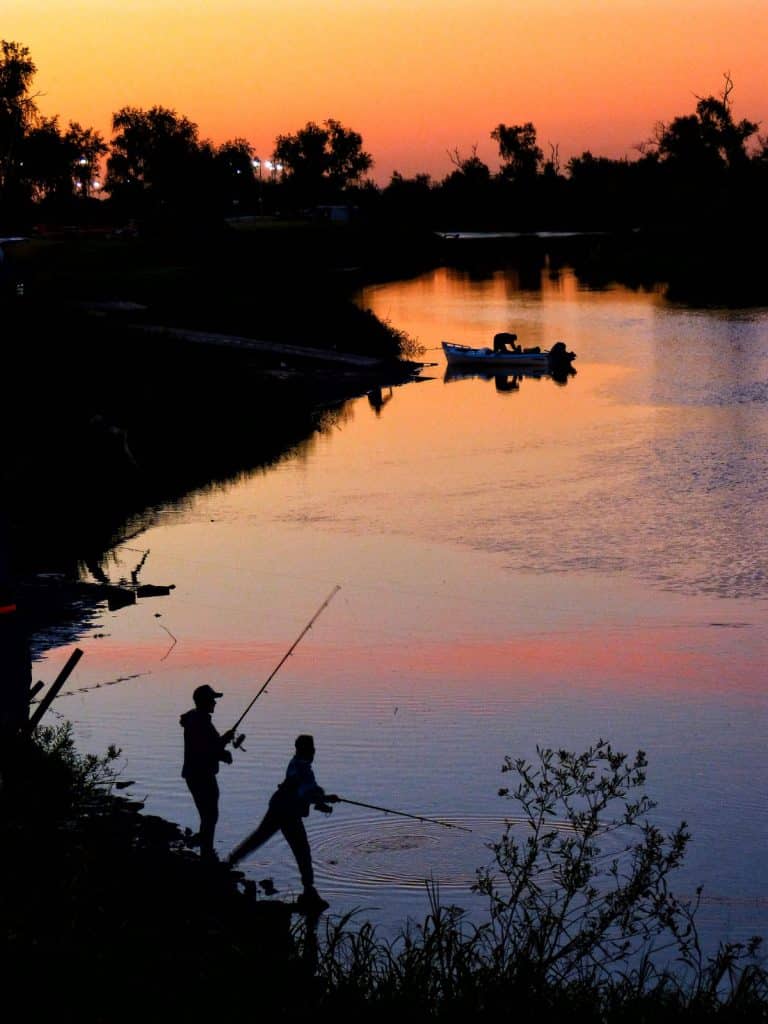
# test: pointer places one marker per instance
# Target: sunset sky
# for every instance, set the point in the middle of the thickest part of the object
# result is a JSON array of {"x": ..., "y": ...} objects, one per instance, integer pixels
[{"x": 416, "y": 77}]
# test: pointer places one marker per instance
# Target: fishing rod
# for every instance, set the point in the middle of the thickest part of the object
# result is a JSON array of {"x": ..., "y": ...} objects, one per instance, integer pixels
[
  {"x": 238, "y": 742},
  {"x": 403, "y": 814}
]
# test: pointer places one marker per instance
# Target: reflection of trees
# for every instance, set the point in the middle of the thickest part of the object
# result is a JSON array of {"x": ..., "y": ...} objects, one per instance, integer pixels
[{"x": 681, "y": 266}]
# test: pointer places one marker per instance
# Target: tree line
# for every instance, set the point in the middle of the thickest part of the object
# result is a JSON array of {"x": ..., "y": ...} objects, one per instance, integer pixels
[{"x": 700, "y": 169}]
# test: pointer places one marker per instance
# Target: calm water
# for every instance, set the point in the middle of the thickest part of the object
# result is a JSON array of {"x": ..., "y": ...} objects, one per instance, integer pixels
[{"x": 547, "y": 565}]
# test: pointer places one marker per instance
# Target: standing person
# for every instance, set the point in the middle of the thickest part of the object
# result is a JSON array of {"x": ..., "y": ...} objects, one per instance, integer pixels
[
  {"x": 204, "y": 748},
  {"x": 287, "y": 806}
]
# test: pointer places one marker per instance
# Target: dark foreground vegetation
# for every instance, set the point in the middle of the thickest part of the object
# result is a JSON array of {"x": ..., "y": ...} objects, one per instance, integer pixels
[{"x": 107, "y": 917}]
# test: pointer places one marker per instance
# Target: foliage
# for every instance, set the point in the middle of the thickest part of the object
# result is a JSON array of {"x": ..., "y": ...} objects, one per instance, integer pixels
[
  {"x": 17, "y": 111},
  {"x": 56, "y": 164},
  {"x": 580, "y": 915},
  {"x": 45, "y": 778},
  {"x": 386, "y": 340},
  {"x": 87, "y": 147},
  {"x": 155, "y": 157},
  {"x": 708, "y": 140},
  {"x": 568, "y": 907},
  {"x": 320, "y": 161},
  {"x": 233, "y": 181},
  {"x": 89, "y": 774},
  {"x": 520, "y": 155}
]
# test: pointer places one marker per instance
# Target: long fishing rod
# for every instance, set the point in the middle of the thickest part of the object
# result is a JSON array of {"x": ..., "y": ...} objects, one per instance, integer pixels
[
  {"x": 403, "y": 814},
  {"x": 239, "y": 741}
]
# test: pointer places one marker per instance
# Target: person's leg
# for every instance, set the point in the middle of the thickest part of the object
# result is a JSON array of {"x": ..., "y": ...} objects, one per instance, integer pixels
[
  {"x": 205, "y": 793},
  {"x": 296, "y": 836},
  {"x": 310, "y": 901},
  {"x": 269, "y": 824}
]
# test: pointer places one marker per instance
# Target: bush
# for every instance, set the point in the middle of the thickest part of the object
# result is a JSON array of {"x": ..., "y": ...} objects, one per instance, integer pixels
[{"x": 582, "y": 921}]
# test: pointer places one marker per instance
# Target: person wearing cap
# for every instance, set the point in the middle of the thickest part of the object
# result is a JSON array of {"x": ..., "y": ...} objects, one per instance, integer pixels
[
  {"x": 204, "y": 748},
  {"x": 287, "y": 806}
]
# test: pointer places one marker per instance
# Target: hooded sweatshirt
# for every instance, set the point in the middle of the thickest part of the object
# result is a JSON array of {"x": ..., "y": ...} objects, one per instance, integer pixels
[{"x": 203, "y": 747}]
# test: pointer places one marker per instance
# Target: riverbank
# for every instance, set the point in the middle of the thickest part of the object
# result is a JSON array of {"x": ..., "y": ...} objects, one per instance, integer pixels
[{"x": 108, "y": 917}]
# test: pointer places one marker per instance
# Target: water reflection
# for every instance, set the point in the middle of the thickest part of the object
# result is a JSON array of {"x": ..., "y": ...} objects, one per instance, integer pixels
[
  {"x": 377, "y": 399},
  {"x": 506, "y": 383}
]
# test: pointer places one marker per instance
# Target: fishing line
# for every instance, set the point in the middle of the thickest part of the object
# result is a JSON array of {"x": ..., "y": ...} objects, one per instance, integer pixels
[{"x": 95, "y": 686}]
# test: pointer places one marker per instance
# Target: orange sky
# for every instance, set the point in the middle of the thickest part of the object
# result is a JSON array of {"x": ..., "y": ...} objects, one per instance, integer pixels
[{"x": 415, "y": 77}]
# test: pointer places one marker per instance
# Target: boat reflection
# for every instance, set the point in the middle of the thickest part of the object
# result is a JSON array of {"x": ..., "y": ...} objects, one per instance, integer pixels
[
  {"x": 377, "y": 399},
  {"x": 510, "y": 381}
]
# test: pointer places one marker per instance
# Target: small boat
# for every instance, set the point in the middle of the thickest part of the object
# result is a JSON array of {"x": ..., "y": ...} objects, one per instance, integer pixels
[{"x": 465, "y": 355}]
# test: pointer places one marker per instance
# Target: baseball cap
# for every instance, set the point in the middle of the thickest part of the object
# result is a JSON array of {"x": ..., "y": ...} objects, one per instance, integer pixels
[{"x": 204, "y": 691}]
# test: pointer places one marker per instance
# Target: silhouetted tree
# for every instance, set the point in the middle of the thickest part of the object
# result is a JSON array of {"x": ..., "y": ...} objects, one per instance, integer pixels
[
  {"x": 235, "y": 183},
  {"x": 87, "y": 147},
  {"x": 409, "y": 200},
  {"x": 470, "y": 169},
  {"x": 17, "y": 113},
  {"x": 46, "y": 161},
  {"x": 710, "y": 139},
  {"x": 467, "y": 195},
  {"x": 521, "y": 157},
  {"x": 704, "y": 174},
  {"x": 320, "y": 161},
  {"x": 156, "y": 159},
  {"x": 599, "y": 191},
  {"x": 56, "y": 164}
]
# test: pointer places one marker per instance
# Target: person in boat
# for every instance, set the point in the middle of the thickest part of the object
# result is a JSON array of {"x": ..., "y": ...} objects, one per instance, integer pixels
[
  {"x": 287, "y": 806},
  {"x": 204, "y": 749},
  {"x": 504, "y": 339}
]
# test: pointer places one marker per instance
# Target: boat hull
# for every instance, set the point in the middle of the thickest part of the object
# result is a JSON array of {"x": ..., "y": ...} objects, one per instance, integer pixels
[{"x": 463, "y": 355}]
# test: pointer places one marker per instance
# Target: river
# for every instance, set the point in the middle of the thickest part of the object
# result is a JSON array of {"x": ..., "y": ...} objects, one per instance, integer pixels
[{"x": 521, "y": 563}]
